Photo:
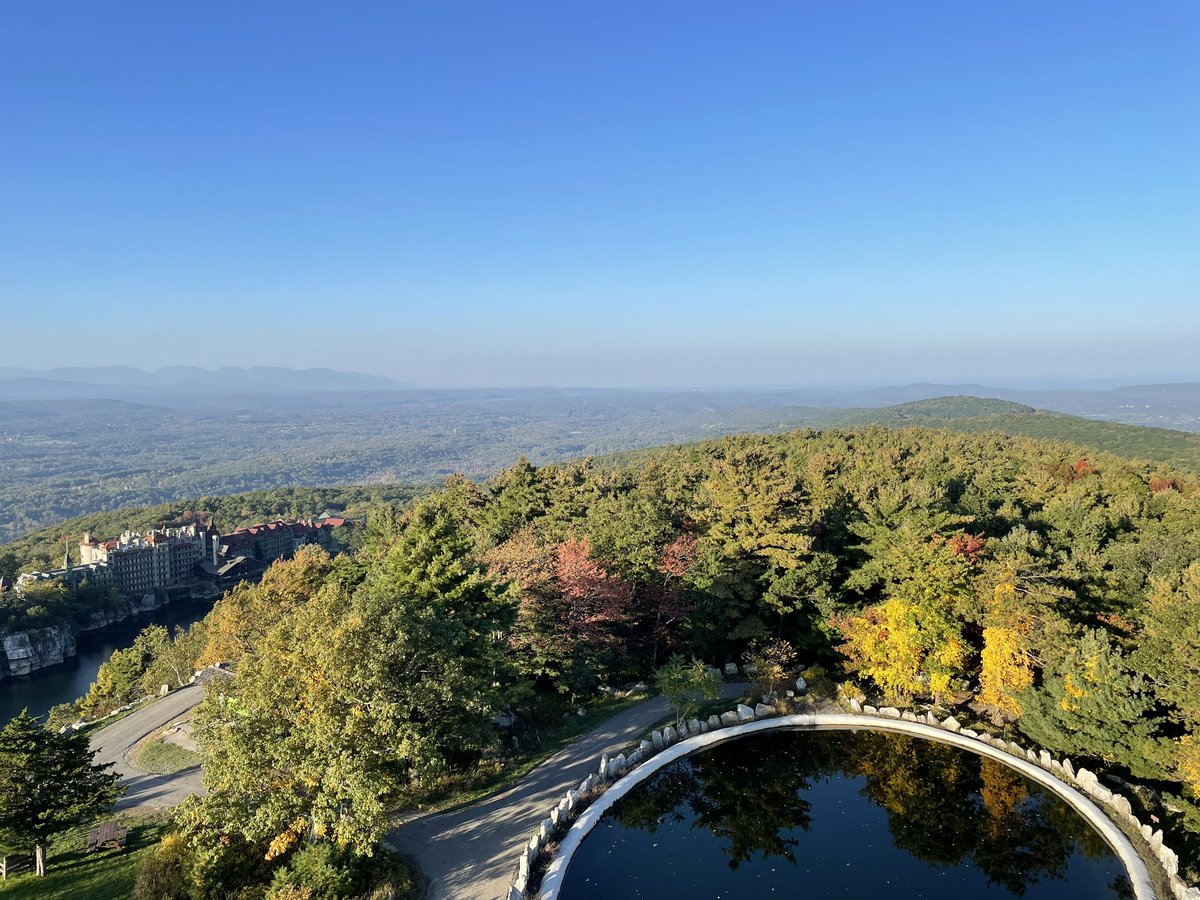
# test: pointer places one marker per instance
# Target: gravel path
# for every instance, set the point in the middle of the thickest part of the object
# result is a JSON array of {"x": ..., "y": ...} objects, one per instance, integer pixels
[
  {"x": 471, "y": 853},
  {"x": 112, "y": 744}
]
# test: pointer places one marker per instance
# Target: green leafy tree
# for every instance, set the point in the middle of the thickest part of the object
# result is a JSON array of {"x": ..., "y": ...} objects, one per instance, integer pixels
[
  {"x": 48, "y": 784},
  {"x": 685, "y": 684},
  {"x": 917, "y": 511},
  {"x": 1093, "y": 704},
  {"x": 1168, "y": 645},
  {"x": 171, "y": 658},
  {"x": 757, "y": 555},
  {"x": 118, "y": 681},
  {"x": 355, "y": 697}
]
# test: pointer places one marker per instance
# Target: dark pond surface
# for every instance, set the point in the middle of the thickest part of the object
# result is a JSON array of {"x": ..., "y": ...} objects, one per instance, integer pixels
[
  {"x": 62, "y": 684},
  {"x": 841, "y": 814}
]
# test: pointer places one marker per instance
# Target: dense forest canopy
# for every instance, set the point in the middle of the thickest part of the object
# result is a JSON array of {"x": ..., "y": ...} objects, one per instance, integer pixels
[{"x": 1056, "y": 593}]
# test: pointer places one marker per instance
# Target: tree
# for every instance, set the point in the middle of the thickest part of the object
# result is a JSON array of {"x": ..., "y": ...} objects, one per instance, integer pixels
[
  {"x": 685, "y": 683},
  {"x": 668, "y": 598},
  {"x": 172, "y": 659},
  {"x": 249, "y": 610},
  {"x": 883, "y": 643},
  {"x": 916, "y": 511},
  {"x": 48, "y": 783},
  {"x": 1168, "y": 645},
  {"x": 595, "y": 602},
  {"x": 1092, "y": 703},
  {"x": 758, "y": 545},
  {"x": 1019, "y": 595},
  {"x": 118, "y": 681},
  {"x": 773, "y": 660},
  {"x": 913, "y": 643},
  {"x": 10, "y": 565},
  {"x": 354, "y": 697}
]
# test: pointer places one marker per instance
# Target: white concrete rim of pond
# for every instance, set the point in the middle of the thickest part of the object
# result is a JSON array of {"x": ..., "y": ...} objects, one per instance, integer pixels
[{"x": 1139, "y": 876}]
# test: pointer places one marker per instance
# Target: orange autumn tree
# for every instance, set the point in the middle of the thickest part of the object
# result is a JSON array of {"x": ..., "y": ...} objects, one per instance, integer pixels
[{"x": 527, "y": 569}]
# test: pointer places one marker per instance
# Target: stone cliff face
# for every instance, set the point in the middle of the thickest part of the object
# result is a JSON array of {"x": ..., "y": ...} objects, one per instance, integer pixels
[
  {"x": 27, "y": 651},
  {"x": 103, "y": 618}
]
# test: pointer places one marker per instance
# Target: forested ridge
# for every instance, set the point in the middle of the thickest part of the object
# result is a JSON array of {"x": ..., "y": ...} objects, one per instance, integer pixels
[{"x": 1010, "y": 578}]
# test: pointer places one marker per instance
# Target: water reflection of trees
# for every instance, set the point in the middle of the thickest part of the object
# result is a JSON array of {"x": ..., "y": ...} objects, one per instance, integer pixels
[
  {"x": 752, "y": 800},
  {"x": 944, "y": 806}
]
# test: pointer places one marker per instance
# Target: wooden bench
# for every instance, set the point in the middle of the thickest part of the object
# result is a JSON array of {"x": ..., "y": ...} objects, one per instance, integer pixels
[{"x": 109, "y": 835}]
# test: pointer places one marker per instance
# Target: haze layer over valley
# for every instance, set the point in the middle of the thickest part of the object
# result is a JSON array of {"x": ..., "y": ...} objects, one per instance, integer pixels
[{"x": 84, "y": 440}]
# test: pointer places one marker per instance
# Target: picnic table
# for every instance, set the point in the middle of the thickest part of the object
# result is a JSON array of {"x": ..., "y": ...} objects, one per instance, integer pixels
[{"x": 108, "y": 835}]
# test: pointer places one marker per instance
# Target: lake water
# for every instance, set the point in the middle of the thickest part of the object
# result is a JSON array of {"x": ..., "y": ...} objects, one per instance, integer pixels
[
  {"x": 842, "y": 814},
  {"x": 62, "y": 684}
]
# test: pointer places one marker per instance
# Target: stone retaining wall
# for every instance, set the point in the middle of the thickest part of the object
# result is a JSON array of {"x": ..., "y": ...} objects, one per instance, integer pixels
[{"x": 1078, "y": 787}]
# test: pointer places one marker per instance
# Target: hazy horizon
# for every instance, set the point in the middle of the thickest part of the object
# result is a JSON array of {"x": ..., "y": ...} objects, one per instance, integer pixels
[{"x": 1007, "y": 381}]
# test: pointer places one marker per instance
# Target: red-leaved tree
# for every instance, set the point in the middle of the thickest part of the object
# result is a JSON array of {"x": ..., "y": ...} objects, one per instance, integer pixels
[{"x": 595, "y": 603}]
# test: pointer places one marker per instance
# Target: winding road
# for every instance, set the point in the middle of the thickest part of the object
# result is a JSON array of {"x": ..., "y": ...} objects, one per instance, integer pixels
[
  {"x": 471, "y": 853},
  {"x": 113, "y": 743},
  {"x": 468, "y": 853}
]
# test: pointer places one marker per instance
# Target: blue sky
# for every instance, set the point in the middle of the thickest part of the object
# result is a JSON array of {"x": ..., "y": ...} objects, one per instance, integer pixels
[{"x": 604, "y": 193}]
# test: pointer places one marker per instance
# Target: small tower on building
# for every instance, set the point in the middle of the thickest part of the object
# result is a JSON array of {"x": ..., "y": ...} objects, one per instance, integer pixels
[{"x": 70, "y": 572}]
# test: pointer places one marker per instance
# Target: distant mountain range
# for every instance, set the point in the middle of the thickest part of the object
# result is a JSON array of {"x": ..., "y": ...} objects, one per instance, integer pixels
[{"x": 118, "y": 381}]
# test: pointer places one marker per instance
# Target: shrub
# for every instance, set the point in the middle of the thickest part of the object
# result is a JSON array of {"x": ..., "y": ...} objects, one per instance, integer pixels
[
  {"x": 314, "y": 872},
  {"x": 164, "y": 875}
]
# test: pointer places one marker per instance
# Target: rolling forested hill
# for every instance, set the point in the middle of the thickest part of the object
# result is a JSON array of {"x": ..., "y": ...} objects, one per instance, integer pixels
[{"x": 974, "y": 414}]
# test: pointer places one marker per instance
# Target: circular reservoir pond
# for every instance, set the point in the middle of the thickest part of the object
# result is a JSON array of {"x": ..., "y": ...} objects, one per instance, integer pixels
[{"x": 813, "y": 814}]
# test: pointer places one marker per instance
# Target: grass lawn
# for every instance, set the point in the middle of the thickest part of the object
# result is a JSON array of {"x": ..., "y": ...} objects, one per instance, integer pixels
[
  {"x": 72, "y": 874},
  {"x": 155, "y": 755}
]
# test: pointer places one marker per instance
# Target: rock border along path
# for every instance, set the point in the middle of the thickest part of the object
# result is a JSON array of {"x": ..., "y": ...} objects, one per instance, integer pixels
[{"x": 663, "y": 750}]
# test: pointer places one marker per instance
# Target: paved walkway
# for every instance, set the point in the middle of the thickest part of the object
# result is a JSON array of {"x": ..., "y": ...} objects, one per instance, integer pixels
[
  {"x": 471, "y": 853},
  {"x": 112, "y": 744}
]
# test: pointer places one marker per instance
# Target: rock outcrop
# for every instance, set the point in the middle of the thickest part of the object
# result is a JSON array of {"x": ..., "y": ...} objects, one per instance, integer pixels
[{"x": 23, "y": 652}]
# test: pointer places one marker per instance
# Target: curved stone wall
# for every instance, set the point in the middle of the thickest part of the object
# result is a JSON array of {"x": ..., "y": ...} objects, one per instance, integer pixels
[{"x": 1079, "y": 788}]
